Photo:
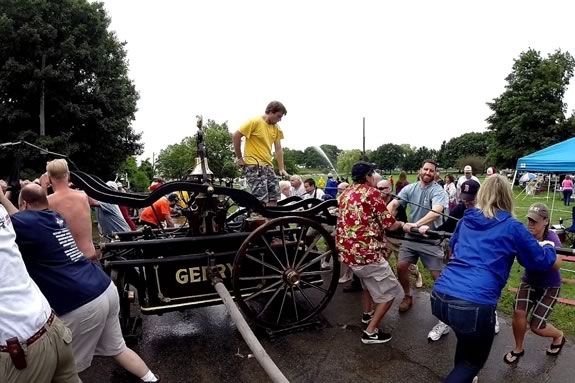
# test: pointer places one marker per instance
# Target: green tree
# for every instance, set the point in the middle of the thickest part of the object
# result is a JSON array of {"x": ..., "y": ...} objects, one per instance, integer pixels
[
  {"x": 220, "y": 150},
  {"x": 312, "y": 159},
  {"x": 59, "y": 61},
  {"x": 147, "y": 167},
  {"x": 331, "y": 151},
  {"x": 423, "y": 153},
  {"x": 410, "y": 162},
  {"x": 177, "y": 160},
  {"x": 138, "y": 176},
  {"x": 468, "y": 144},
  {"x": 346, "y": 159},
  {"x": 530, "y": 114},
  {"x": 477, "y": 163},
  {"x": 291, "y": 158},
  {"x": 295, "y": 156},
  {"x": 387, "y": 157},
  {"x": 140, "y": 181}
]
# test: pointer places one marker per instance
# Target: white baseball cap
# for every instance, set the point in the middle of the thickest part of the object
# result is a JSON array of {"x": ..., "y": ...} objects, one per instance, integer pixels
[
  {"x": 467, "y": 168},
  {"x": 112, "y": 185}
]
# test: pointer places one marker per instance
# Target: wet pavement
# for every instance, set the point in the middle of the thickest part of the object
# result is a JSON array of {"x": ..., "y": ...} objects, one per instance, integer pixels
[{"x": 203, "y": 345}]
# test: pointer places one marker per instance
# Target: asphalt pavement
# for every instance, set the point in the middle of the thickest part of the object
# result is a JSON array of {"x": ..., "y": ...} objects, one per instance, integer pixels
[{"x": 203, "y": 345}]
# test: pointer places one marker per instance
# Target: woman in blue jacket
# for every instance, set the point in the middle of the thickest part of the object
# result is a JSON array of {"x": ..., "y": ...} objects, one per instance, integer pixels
[{"x": 484, "y": 246}]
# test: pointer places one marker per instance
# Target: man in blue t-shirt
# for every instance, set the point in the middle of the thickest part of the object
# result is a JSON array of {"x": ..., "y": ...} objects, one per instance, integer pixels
[
  {"x": 80, "y": 293},
  {"x": 427, "y": 202}
]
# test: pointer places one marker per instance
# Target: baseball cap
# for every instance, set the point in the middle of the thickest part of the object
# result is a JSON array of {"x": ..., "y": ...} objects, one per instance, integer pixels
[
  {"x": 489, "y": 171},
  {"x": 329, "y": 175},
  {"x": 467, "y": 168},
  {"x": 112, "y": 185},
  {"x": 361, "y": 169},
  {"x": 469, "y": 190},
  {"x": 537, "y": 212}
]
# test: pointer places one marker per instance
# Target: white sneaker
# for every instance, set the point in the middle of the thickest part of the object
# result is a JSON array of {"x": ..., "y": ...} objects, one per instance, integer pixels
[
  {"x": 344, "y": 278},
  {"x": 438, "y": 331},
  {"x": 497, "y": 328}
]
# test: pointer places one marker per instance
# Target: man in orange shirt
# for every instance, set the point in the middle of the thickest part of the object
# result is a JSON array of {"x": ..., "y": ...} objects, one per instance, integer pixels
[{"x": 159, "y": 211}]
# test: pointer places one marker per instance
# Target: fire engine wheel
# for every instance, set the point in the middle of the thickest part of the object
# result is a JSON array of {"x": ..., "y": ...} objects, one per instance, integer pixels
[
  {"x": 120, "y": 280},
  {"x": 285, "y": 272}
]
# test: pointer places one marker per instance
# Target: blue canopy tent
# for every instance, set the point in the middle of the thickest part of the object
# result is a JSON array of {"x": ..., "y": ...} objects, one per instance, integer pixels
[{"x": 556, "y": 159}]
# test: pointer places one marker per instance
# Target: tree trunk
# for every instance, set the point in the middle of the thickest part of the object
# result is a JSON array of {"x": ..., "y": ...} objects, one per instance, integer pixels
[{"x": 42, "y": 114}]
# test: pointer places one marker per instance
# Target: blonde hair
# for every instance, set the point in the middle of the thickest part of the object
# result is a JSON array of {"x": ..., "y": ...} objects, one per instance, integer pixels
[
  {"x": 57, "y": 169},
  {"x": 495, "y": 194}
]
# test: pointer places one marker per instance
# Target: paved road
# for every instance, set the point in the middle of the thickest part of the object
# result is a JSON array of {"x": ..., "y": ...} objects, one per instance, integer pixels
[{"x": 203, "y": 345}]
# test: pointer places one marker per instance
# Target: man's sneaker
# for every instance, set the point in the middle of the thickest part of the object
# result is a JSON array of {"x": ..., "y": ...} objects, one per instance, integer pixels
[
  {"x": 438, "y": 331},
  {"x": 376, "y": 337},
  {"x": 406, "y": 303},
  {"x": 497, "y": 328},
  {"x": 419, "y": 281},
  {"x": 366, "y": 317},
  {"x": 345, "y": 278},
  {"x": 157, "y": 378}
]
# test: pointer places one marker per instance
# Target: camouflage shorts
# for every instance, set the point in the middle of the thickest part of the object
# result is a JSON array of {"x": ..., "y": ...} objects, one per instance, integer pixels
[{"x": 262, "y": 182}]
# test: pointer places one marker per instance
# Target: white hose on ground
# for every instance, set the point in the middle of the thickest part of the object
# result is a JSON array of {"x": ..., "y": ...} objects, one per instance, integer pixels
[{"x": 254, "y": 344}]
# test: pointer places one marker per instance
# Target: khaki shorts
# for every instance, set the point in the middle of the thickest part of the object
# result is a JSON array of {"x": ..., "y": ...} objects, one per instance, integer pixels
[
  {"x": 49, "y": 359},
  {"x": 96, "y": 328},
  {"x": 379, "y": 280},
  {"x": 431, "y": 254}
]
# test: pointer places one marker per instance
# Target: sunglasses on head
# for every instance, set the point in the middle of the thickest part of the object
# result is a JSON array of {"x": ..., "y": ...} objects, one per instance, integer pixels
[{"x": 384, "y": 188}]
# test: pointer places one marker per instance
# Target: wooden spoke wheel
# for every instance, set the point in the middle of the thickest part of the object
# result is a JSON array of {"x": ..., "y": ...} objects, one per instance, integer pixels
[{"x": 285, "y": 272}]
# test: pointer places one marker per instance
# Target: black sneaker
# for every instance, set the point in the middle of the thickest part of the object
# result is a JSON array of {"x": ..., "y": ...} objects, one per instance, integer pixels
[
  {"x": 366, "y": 317},
  {"x": 376, "y": 337}
]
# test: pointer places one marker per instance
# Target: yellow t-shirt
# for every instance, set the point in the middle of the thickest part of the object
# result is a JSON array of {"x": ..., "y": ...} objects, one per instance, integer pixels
[{"x": 259, "y": 139}]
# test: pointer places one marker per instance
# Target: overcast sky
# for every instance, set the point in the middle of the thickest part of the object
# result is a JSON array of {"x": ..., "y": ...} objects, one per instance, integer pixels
[{"x": 420, "y": 72}]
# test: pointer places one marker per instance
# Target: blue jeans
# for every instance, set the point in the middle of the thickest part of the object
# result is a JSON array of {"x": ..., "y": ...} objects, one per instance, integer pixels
[
  {"x": 567, "y": 197},
  {"x": 474, "y": 325}
]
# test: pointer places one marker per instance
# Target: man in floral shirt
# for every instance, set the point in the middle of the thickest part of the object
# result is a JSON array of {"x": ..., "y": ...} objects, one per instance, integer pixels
[{"x": 360, "y": 240}]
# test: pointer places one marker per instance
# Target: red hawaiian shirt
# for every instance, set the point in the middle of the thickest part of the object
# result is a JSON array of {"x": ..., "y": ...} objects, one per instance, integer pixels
[{"x": 363, "y": 217}]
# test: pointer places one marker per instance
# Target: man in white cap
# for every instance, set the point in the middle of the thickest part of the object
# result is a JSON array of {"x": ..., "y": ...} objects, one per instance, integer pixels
[{"x": 467, "y": 175}]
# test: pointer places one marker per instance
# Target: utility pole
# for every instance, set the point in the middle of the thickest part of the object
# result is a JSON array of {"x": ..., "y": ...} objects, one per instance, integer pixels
[{"x": 364, "y": 157}]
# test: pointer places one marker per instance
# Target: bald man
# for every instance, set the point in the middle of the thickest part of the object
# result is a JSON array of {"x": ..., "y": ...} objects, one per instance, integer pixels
[{"x": 73, "y": 205}]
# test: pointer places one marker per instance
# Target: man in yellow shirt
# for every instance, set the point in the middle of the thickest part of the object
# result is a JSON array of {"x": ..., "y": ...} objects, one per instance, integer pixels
[{"x": 260, "y": 133}]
